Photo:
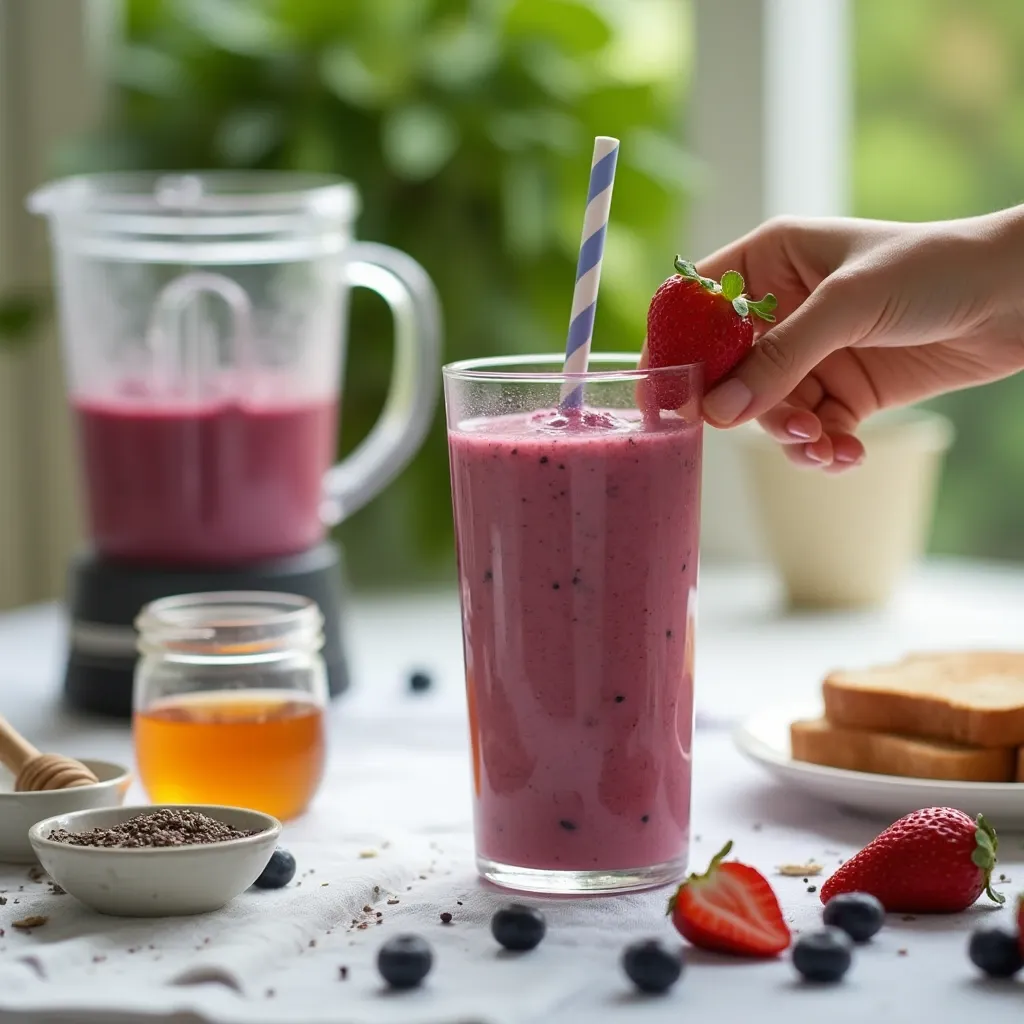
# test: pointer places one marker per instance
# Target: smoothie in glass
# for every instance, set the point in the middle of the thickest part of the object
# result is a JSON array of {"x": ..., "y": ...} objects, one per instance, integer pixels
[{"x": 577, "y": 540}]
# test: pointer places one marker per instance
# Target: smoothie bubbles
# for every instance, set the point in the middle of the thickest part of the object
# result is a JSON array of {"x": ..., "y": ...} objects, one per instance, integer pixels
[{"x": 576, "y": 504}]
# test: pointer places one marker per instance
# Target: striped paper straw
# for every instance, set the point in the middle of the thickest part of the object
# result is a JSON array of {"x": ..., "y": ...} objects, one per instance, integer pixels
[{"x": 588, "y": 269}]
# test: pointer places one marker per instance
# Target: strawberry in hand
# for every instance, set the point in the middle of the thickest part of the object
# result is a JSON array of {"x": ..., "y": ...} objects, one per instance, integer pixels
[
  {"x": 731, "y": 908},
  {"x": 935, "y": 861},
  {"x": 693, "y": 319}
]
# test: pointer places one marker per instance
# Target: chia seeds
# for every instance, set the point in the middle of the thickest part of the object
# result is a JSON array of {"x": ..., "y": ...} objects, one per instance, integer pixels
[{"x": 162, "y": 828}]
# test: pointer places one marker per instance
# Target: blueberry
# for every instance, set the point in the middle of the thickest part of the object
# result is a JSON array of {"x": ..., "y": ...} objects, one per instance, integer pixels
[
  {"x": 518, "y": 927},
  {"x": 404, "y": 961},
  {"x": 824, "y": 955},
  {"x": 652, "y": 967},
  {"x": 420, "y": 682},
  {"x": 995, "y": 949},
  {"x": 280, "y": 870},
  {"x": 859, "y": 914}
]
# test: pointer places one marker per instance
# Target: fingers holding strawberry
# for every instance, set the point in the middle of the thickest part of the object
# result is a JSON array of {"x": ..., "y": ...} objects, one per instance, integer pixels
[{"x": 694, "y": 319}]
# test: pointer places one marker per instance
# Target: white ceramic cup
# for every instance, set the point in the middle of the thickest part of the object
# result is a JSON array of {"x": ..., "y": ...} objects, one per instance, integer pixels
[{"x": 847, "y": 540}]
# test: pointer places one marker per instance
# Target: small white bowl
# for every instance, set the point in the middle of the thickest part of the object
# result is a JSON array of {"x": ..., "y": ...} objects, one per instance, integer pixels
[
  {"x": 165, "y": 881},
  {"x": 20, "y": 811}
]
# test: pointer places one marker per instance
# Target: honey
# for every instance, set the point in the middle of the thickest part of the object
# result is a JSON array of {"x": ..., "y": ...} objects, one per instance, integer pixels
[{"x": 263, "y": 749}]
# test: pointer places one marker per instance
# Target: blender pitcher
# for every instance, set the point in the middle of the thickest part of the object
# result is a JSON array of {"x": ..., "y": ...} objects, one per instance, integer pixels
[{"x": 203, "y": 320}]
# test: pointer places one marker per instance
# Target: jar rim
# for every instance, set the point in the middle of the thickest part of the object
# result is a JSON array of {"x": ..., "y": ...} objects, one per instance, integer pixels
[{"x": 230, "y": 622}]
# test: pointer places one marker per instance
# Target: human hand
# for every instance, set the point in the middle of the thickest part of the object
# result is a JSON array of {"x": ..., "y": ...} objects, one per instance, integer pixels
[{"x": 871, "y": 315}]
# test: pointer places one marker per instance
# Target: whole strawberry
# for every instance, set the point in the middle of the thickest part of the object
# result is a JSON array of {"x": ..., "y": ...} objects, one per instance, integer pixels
[
  {"x": 693, "y": 319},
  {"x": 935, "y": 861}
]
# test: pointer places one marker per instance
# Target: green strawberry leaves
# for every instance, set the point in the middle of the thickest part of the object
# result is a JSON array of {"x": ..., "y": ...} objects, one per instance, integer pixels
[
  {"x": 731, "y": 289},
  {"x": 984, "y": 856},
  {"x": 732, "y": 285}
]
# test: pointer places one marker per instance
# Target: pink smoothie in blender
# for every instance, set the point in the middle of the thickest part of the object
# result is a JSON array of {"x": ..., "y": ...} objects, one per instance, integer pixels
[{"x": 214, "y": 483}]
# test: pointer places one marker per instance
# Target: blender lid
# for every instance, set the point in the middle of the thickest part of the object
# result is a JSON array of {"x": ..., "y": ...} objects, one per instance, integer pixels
[{"x": 197, "y": 196}]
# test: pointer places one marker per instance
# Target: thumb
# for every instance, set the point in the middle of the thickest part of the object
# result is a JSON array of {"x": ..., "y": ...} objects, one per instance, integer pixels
[{"x": 827, "y": 321}]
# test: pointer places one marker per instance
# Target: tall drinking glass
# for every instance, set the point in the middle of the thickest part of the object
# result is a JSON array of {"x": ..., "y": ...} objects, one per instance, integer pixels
[{"x": 577, "y": 542}]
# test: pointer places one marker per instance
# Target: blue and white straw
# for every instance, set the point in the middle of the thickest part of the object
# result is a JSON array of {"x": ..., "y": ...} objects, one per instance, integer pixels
[{"x": 588, "y": 269}]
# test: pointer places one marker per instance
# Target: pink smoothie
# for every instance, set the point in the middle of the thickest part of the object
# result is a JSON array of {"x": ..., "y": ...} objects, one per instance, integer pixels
[
  {"x": 205, "y": 484},
  {"x": 577, "y": 553}
]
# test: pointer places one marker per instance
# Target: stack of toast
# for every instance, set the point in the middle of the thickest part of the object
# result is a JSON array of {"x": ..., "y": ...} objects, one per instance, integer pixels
[{"x": 953, "y": 716}]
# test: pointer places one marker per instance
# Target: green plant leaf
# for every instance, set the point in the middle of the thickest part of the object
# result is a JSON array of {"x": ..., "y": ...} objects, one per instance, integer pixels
[
  {"x": 457, "y": 56},
  {"x": 741, "y": 306},
  {"x": 148, "y": 70},
  {"x": 418, "y": 141},
  {"x": 237, "y": 26},
  {"x": 20, "y": 314},
  {"x": 577, "y": 28},
  {"x": 246, "y": 136},
  {"x": 348, "y": 77}
]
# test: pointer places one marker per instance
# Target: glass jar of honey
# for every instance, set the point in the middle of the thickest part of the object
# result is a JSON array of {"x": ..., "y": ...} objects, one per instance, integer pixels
[{"x": 229, "y": 697}]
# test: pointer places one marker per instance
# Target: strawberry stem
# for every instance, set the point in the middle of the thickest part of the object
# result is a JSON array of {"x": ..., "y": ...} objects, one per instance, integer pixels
[
  {"x": 694, "y": 877},
  {"x": 984, "y": 855},
  {"x": 731, "y": 289}
]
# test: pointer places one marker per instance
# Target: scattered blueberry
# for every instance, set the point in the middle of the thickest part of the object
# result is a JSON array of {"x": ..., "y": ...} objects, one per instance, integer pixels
[
  {"x": 518, "y": 927},
  {"x": 995, "y": 950},
  {"x": 420, "y": 682},
  {"x": 652, "y": 967},
  {"x": 280, "y": 870},
  {"x": 824, "y": 955},
  {"x": 859, "y": 914},
  {"x": 404, "y": 961}
]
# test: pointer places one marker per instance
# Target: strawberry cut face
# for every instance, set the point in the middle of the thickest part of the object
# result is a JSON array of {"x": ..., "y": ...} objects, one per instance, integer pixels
[{"x": 730, "y": 909}]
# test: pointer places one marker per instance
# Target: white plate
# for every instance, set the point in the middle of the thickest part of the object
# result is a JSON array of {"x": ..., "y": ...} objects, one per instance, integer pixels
[{"x": 764, "y": 739}]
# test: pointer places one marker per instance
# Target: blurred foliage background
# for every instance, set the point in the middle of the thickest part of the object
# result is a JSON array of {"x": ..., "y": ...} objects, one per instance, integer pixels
[
  {"x": 940, "y": 133},
  {"x": 468, "y": 127}
]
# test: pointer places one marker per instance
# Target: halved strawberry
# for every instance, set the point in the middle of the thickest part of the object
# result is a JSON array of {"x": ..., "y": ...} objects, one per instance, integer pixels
[{"x": 731, "y": 908}]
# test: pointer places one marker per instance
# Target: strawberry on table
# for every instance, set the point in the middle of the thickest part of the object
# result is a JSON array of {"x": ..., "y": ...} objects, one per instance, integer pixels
[
  {"x": 1020, "y": 922},
  {"x": 731, "y": 908},
  {"x": 934, "y": 861},
  {"x": 693, "y": 319}
]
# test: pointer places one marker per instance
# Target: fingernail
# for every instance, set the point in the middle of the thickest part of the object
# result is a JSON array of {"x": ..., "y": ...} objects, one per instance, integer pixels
[
  {"x": 727, "y": 402},
  {"x": 794, "y": 429},
  {"x": 848, "y": 458},
  {"x": 813, "y": 455}
]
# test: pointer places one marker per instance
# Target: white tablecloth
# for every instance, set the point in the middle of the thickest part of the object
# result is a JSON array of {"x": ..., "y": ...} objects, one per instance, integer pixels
[{"x": 398, "y": 787}]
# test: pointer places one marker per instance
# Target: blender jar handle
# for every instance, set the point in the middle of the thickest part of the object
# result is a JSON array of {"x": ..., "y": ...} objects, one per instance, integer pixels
[{"x": 412, "y": 396}]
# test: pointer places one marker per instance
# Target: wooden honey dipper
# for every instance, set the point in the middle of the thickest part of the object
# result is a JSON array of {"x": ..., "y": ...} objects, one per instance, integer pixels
[{"x": 34, "y": 771}]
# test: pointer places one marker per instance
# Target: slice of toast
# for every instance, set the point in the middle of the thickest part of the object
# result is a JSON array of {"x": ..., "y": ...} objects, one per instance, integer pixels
[
  {"x": 975, "y": 698},
  {"x": 820, "y": 742}
]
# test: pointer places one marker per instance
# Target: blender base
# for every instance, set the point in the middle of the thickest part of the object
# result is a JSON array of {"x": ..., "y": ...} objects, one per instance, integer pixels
[{"x": 104, "y": 598}]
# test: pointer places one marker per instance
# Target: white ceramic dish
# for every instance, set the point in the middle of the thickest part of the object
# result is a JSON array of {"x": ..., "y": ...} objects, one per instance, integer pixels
[
  {"x": 160, "y": 881},
  {"x": 765, "y": 740},
  {"x": 20, "y": 811}
]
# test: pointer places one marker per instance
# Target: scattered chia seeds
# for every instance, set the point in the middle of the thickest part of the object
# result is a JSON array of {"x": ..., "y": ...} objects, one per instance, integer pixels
[{"x": 162, "y": 828}]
